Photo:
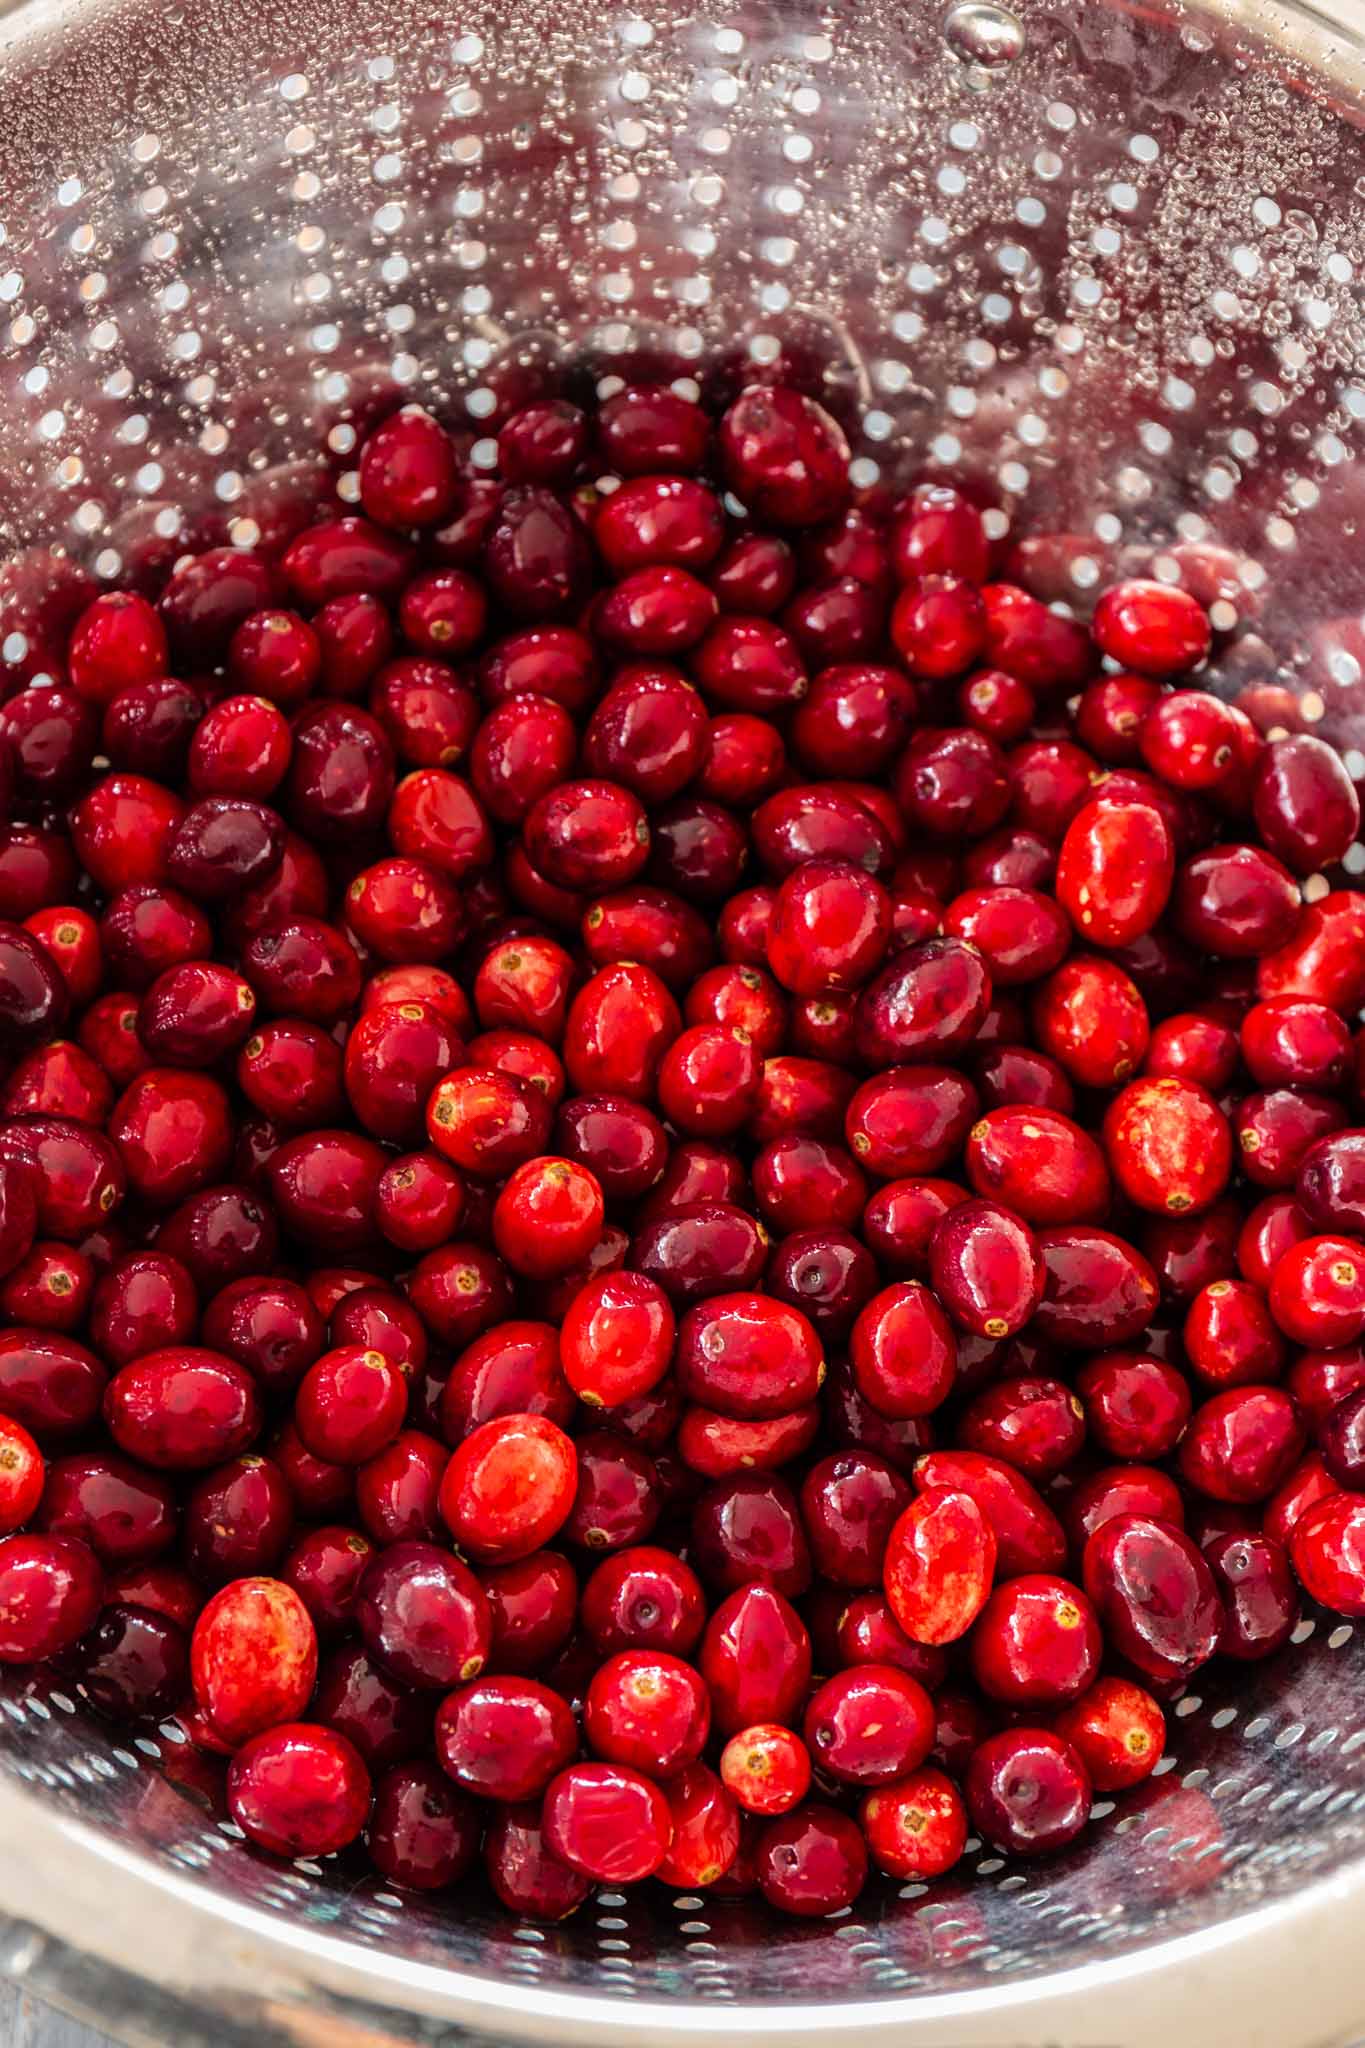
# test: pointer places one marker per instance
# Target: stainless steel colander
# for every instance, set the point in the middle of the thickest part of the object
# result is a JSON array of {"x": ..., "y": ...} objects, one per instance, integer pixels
[{"x": 1107, "y": 260}]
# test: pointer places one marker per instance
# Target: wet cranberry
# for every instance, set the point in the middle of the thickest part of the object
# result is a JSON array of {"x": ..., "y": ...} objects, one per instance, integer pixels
[
  {"x": 238, "y": 1521},
  {"x": 1028, "y": 1791},
  {"x": 1237, "y": 902},
  {"x": 909, "y": 1120},
  {"x": 524, "y": 1873},
  {"x": 182, "y": 1408},
  {"x": 756, "y": 1659},
  {"x": 33, "y": 995},
  {"x": 1260, "y": 1602},
  {"x": 408, "y": 471},
  {"x": 1305, "y": 805},
  {"x": 253, "y": 1658},
  {"x": 422, "y": 1834},
  {"x": 1031, "y": 1422},
  {"x": 1098, "y": 1290},
  {"x": 986, "y": 1268},
  {"x": 812, "y": 1862},
  {"x": 1322, "y": 958},
  {"x": 1136, "y": 1407},
  {"x": 648, "y": 427},
  {"x": 50, "y": 1592},
  {"x": 325, "y": 1568},
  {"x": 387, "y": 1722},
  {"x": 1036, "y": 1641},
  {"x": 784, "y": 457},
  {"x": 940, "y": 1560},
  {"x": 1089, "y": 1017},
  {"x": 269, "y": 1326},
  {"x": 299, "y": 1790},
  {"x": 50, "y": 1384},
  {"x": 324, "y": 1187},
  {"x": 423, "y": 1616},
  {"x": 915, "y": 1829},
  {"x": 508, "y": 1487},
  {"x": 1155, "y": 1596},
  {"x": 1117, "y": 1730}
]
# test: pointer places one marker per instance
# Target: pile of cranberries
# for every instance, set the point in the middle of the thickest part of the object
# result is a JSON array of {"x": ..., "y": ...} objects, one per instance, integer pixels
[{"x": 678, "y": 1185}]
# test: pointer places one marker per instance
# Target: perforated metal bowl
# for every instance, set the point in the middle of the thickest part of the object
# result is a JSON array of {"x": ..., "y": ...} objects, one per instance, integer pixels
[{"x": 1108, "y": 261}]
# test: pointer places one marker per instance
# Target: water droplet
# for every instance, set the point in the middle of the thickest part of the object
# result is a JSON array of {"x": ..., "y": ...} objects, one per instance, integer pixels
[{"x": 982, "y": 33}]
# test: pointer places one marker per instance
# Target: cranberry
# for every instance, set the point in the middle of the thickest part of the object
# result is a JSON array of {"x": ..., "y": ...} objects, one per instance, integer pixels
[
  {"x": 1305, "y": 805},
  {"x": 325, "y": 1568},
  {"x": 409, "y": 474},
  {"x": 1155, "y": 1596},
  {"x": 1028, "y": 1791},
  {"x": 238, "y": 1520},
  {"x": 1136, "y": 1407},
  {"x": 22, "y": 1474},
  {"x": 1089, "y": 1016},
  {"x": 50, "y": 1592},
  {"x": 508, "y": 1487},
  {"x": 253, "y": 1658},
  {"x": 50, "y": 1384},
  {"x": 767, "y": 1768},
  {"x": 299, "y": 1790},
  {"x": 1260, "y": 1602},
  {"x": 755, "y": 1657},
  {"x": 784, "y": 457},
  {"x": 917, "y": 1828},
  {"x": 422, "y": 1833},
  {"x": 1322, "y": 957},
  {"x": 423, "y": 1615},
  {"x": 324, "y": 1184},
  {"x": 812, "y": 1862},
  {"x": 386, "y": 1722}
]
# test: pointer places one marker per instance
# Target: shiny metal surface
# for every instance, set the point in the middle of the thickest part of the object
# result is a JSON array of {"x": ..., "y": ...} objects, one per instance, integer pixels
[{"x": 1106, "y": 261}]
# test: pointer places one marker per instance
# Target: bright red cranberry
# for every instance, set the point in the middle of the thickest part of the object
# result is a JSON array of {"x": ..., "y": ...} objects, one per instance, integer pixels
[
  {"x": 784, "y": 457},
  {"x": 72, "y": 938},
  {"x": 1322, "y": 959},
  {"x": 22, "y": 1473},
  {"x": 50, "y": 1288},
  {"x": 1028, "y": 1791},
  {"x": 409, "y": 475},
  {"x": 241, "y": 748},
  {"x": 1117, "y": 1730},
  {"x": 767, "y": 1768},
  {"x": 1136, "y": 1407},
  {"x": 617, "y": 1339},
  {"x": 1229, "y": 1336},
  {"x": 607, "y": 1821},
  {"x": 869, "y": 1725},
  {"x": 1115, "y": 871},
  {"x": 1040, "y": 1164},
  {"x": 940, "y": 1560},
  {"x": 1169, "y": 1145},
  {"x": 1089, "y": 1017},
  {"x": 1155, "y": 628},
  {"x": 986, "y": 1268},
  {"x": 1036, "y": 1641},
  {"x": 116, "y": 641},
  {"x": 902, "y": 1351},
  {"x": 299, "y": 1790},
  {"x": 915, "y": 1829},
  {"x": 50, "y": 1593},
  {"x": 509, "y": 1487},
  {"x": 182, "y": 1408},
  {"x": 756, "y": 1659},
  {"x": 253, "y": 1658},
  {"x": 1034, "y": 1423}
]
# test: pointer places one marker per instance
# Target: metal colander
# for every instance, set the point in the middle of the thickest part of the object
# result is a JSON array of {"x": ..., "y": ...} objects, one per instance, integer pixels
[{"x": 1109, "y": 261}]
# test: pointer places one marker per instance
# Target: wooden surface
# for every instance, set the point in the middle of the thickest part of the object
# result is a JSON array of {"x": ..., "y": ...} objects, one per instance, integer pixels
[{"x": 24, "y": 2023}]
